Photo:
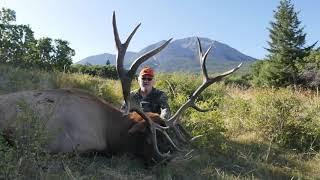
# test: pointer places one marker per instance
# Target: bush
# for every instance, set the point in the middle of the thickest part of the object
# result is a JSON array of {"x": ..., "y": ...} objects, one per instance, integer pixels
[
  {"x": 237, "y": 115},
  {"x": 107, "y": 71},
  {"x": 242, "y": 80},
  {"x": 211, "y": 126},
  {"x": 283, "y": 118}
]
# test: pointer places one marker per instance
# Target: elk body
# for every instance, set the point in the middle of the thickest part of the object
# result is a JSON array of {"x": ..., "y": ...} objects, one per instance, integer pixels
[
  {"x": 79, "y": 121},
  {"x": 82, "y": 122}
]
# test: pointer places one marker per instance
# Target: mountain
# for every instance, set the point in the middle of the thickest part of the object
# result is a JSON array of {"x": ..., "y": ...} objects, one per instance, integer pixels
[
  {"x": 182, "y": 55},
  {"x": 103, "y": 58}
]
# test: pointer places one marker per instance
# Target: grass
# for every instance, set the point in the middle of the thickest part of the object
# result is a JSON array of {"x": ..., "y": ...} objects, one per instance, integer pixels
[{"x": 233, "y": 146}]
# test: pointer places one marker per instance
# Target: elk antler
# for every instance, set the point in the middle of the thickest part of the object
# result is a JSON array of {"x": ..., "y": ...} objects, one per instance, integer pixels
[
  {"x": 174, "y": 121},
  {"x": 126, "y": 77}
]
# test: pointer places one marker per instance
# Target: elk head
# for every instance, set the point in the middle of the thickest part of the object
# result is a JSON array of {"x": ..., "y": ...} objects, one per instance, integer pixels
[{"x": 147, "y": 125}]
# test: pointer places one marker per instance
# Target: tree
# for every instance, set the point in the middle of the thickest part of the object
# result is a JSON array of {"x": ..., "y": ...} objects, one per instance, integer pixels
[
  {"x": 46, "y": 52},
  {"x": 108, "y": 62},
  {"x": 18, "y": 46},
  {"x": 310, "y": 75},
  {"x": 314, "y": 58},
  {"x": 7, "y": 16},
  {"x": 267, "y": 73},
  {"x": 13, "y": 38},
  {"x": 286, "y": 46},
  {"x": 63, "y": 55}
]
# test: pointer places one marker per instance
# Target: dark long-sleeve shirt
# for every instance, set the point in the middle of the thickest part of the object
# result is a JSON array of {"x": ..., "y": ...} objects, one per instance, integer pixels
[{"x": 156, "y": 101}]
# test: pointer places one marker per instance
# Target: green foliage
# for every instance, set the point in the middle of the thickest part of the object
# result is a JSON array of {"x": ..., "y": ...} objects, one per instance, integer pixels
[
  {"x": 19, "y": 47},
  {"x": 314, "y": 57},
  {"x": 7, "y": 16},
  {"x": 268, "y": 74},
  {"x": 282, "y": 118},
  {"x": 286, "y": 49},
  {"x": 237, "y": 116},
  {"x": 310, "y": 74},
  {"x": 63, "y": 55},
  {"x": 211, "y": 126},
  {"x": 239, "y": 80},
  {"x": 106, "y": 71}
]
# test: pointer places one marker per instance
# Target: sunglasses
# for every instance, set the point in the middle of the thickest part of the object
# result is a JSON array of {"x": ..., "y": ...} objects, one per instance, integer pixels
[{"x": 148, "y": 79}]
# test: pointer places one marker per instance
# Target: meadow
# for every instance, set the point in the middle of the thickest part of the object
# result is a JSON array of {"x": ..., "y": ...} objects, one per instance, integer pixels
[{"x": 252, "y": 133}]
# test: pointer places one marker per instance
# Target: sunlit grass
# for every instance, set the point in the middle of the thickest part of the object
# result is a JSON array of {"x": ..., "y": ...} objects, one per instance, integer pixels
[{"x": 233, "y": 146}]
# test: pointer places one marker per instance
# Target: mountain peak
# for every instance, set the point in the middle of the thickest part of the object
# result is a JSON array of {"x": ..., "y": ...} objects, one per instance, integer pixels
[{"x": 181, "y": 55}]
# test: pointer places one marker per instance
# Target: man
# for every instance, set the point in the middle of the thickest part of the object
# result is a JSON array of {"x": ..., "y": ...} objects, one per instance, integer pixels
[{"x": 150, "y": 98}]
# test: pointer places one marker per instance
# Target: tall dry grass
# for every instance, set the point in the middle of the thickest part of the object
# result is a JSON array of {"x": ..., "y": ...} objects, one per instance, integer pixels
[{"x": 235, "y": 143}]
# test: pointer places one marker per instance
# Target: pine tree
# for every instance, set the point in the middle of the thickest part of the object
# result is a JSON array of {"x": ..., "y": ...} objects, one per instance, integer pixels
[
  {"x": 287, "y": 43},
  {"x": 108, "y": 62}
]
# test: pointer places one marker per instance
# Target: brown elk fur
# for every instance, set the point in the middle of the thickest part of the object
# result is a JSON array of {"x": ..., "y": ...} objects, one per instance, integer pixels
[{"x": 81, "y": 122}]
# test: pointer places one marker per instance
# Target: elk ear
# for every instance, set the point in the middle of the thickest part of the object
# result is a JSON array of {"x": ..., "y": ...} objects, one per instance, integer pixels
[{"x": 138, "y": 127}]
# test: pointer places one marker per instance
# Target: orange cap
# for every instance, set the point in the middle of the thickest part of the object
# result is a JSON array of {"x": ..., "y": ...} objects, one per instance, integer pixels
[{"x": 146, "y": 71}]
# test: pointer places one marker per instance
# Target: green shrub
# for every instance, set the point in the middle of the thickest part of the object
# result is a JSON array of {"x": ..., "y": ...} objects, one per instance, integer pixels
[
  {"x": 211, "y": 126},
  {"x": 237, "y": 115},
  {"x": 104, "y": 71},
  {"x": 239, "y": 80},
  {"x": 283, "y": 118}
]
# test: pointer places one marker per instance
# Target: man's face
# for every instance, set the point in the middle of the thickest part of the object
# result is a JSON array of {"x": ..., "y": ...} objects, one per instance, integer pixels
[{"x": 146, "y": 82}]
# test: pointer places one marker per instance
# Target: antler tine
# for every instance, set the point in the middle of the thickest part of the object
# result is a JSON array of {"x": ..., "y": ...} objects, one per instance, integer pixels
[
  {"x": 115, "y": 31},
  {"x": 202, "y": 110},
  {"x": 131, "y": 35},
  {"x": 219, "y": 77},
  {"x": 203, "y": 59},
  {"x": 122, "y": 48},
  {"x": 123, "y": 74},
  {"x": 207, "y": 81}
]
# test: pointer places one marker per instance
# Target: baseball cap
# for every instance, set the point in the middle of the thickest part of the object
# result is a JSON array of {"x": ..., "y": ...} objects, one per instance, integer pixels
[{"x": 146, "y": 71}]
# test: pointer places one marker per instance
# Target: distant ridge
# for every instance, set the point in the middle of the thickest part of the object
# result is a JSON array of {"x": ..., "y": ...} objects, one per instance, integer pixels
[
  {"x": 181, "y": 55},
  {"x": 101, "y": 59}
]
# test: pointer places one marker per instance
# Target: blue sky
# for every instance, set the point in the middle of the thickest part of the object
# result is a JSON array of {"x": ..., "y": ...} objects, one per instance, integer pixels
[{"x": 86, "y": 24}]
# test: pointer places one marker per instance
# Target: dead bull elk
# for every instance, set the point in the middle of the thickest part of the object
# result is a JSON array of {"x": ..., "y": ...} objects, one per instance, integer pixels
[{"x": 83, "y": 122}]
